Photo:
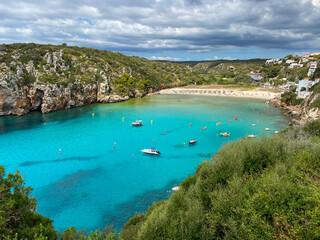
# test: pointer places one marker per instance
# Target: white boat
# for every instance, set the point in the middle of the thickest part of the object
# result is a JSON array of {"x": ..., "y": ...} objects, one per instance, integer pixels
[
  {"x": 225, "y": 134},
  {"x": 252, "y": 136},
  {"x": 276, "y": 131},
  {"x": 267, "y": 129},
  {"x": 151, "y": 151},
  {"x": 253, "y": 125},
  {"x": 175, "y": 188},
  {"x": 193, "y": 141},
  {"x": 137, "y": 123}
]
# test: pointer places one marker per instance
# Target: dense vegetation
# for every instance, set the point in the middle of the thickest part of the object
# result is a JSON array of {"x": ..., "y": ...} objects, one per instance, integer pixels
[
  {"x": 18, "y": 217},
  {"x": 251, "y": 189}
]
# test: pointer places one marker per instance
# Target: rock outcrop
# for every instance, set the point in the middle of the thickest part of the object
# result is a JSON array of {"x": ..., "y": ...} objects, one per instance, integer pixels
[
  {"x": 301, "y": 114},
  {"x": 25, "y": 87}
]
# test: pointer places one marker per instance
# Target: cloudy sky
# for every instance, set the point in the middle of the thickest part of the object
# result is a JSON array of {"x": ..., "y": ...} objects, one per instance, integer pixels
[{"x": 168, "y": 29}]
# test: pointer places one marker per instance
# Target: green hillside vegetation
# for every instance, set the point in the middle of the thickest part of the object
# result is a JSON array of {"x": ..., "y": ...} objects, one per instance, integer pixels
[
  {"x": 264, "y": 188},
  {"x": 86, "y": 64},
  {"x": 228, "y": 68}
]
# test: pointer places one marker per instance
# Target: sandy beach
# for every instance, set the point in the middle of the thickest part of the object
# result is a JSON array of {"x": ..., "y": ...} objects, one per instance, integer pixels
[{"x": 267, "y": 95}]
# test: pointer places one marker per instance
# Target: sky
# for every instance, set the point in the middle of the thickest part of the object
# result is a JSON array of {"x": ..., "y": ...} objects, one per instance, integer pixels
[{"x": 178, "y": 30}]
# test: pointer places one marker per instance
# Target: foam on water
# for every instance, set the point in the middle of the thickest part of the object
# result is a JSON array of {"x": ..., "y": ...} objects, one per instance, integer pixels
[{"x": 92, "y": 183}]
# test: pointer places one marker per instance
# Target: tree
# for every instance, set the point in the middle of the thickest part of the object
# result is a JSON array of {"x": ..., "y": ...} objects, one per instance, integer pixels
[
  {"x": 199, "y": 81},
  {"x": 274, "y": 71},
  {"x": 18, "y": 217},
  {"x": 243, "y": 79}
]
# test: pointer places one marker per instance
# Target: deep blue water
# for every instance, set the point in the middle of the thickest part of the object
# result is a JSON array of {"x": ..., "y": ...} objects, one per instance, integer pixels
[{"x": 101, "y": 177}]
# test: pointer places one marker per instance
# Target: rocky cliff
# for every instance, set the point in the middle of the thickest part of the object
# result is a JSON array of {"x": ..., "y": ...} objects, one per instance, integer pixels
[
  {"x": 48, "y": 78},
  {"x": 305, "y": 112}
]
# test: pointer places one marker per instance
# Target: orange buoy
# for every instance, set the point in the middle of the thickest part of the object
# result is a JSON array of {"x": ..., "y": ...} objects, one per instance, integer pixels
[
  {"x": 236, "y": 119},
  {"x": 59, "y": 153},
  {"x": 190, "y": 124},
  {"x": 153, "y": 141},
  {"x": 114, "y": 146},
  {"x": 229, "y": 121}
]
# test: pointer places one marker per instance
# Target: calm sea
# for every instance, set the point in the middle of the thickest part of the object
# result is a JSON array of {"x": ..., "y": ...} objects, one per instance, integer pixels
[{"x": 87, "y": 169}]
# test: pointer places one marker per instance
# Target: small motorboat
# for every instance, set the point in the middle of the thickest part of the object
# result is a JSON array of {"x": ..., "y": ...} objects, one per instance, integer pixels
[
  {"x": 276, "y": 131},
  {"x": 253, "y": 125},
  {"x": 252, "y": 136},
  {"x": 137, "y": 123},
  {"x": 193, "y": 141},
  {"x": 151, "y": 151},
  {"x": 175, "y": 188},
  {"x": 267, "y": 129},
  {"x": 225, "y": 134}
]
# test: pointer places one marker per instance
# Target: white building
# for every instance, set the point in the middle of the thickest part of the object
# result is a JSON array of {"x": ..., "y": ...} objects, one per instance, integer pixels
[
  {"x": 274, "y": 61},
  {"x": 295, "y": 65},
  {"x": 290, "y": 61},
  {"x": 312, "y": 69},
  {"x": 303, "y": 89}
]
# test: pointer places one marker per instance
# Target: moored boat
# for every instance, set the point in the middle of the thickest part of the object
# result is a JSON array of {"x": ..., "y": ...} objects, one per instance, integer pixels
[
  {"x": 225, "y": 134},
  {"x": 151, "y": 151},
  {"x": 193, "y": 141},
  {"x": 252, "y": 136},
  {"x": 137, "y": 123}
]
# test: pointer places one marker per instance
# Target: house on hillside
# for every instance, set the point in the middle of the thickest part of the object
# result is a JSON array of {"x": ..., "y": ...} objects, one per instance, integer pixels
[
  {"x": 255, "y": 76},
  {"x": 295, "y": 65},
  {"x": 290, "y": 61},
  {"x": 274, "y": 61},
  {"x": 303, "y": 89},
  {"x": 312, "y": 69},
  {"x": 315, "y": 53}
]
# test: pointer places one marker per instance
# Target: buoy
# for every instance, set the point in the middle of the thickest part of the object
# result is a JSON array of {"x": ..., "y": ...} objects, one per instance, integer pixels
[
  {"x": 59, "y": 153},
  {"x": 184, "y": 143},
  {"x": 229, "y": 121},
  {"x": 151, "y": 121},
  {"x": 218, "y": 123},
  {"x": 152, "y": 140},
  {"x": 92, "y": 114},
  {"x": 123, "y": 118},
  {"x": 234, "y": 116},
  {"x": 114, "y": 146},
  {"x": 236, "y": 119},
  {"x": 190, "y": 124},
  {"x": 60, "y": 149},
  {"x": 257, "y": 120}
]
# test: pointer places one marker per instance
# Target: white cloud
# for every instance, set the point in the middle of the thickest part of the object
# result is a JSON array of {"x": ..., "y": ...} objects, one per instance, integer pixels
[
  {"x": 89, "y": 11},
  {"x": 316, "y": 3},
  {"x": 24, "y": 31},
  {"x": 165, "y": 58},
  {"x": 195, "y": 26}
]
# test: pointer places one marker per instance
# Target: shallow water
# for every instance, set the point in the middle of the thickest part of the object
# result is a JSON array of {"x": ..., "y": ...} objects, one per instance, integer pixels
[{"x": 101, "y": 177}]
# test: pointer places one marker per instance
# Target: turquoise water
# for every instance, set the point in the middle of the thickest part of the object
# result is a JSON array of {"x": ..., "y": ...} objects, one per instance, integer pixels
[{"x": 101, "y": 177}]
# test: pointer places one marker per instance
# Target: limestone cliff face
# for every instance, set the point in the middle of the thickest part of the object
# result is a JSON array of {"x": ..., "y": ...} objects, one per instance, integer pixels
[
  {"x": 27, "y": 87},
  {"x": 303, "y": 113}
]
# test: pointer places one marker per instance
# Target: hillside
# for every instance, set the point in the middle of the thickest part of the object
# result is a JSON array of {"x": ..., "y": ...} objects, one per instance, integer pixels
[
  {"x": 228, "y": 68},
  {"x": 49, "y": 78}
]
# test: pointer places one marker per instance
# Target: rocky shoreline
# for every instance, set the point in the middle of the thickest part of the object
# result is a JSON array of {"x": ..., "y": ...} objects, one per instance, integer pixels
[
  {"x": 50, "y": 97},
  {"x": 299, "y": 114}
]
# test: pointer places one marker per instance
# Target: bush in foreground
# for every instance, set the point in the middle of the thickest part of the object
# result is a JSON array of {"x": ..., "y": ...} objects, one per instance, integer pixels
[{"x": 251, "y": 189}]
